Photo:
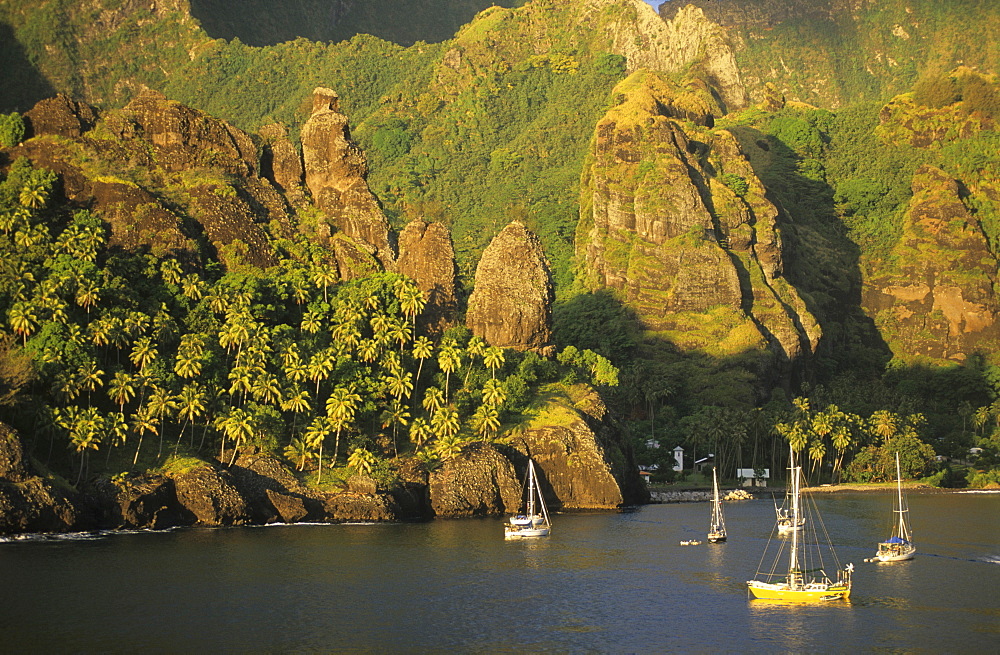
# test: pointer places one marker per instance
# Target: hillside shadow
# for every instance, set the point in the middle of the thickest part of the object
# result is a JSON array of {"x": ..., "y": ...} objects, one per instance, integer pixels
[
  {"x": 820, "y": 261},
  {"x": 263, "y": 23},
  {"x": 23, "y": 84}
]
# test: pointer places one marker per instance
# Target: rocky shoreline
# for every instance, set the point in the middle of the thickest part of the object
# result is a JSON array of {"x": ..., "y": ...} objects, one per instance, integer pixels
[
  {"x": 697, "y": 496},
  {"x": 259, "y": 489}
]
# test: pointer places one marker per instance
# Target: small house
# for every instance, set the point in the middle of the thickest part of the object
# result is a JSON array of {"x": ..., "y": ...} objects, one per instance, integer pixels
[{"x": 749, "y": 477}]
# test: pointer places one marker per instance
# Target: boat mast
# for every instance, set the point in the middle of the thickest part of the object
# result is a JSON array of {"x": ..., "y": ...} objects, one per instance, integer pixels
[
  {"x": 531, "y": 488},
  {"x": 715, "y": 503},
  {"x": 903, "y": 533},
  {"x": 794, "y": 572}
]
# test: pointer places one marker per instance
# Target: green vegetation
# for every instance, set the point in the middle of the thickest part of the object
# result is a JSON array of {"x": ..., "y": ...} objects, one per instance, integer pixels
[
  {"x": 153, "y": 361},
  {"x": 474, "y": 131}
]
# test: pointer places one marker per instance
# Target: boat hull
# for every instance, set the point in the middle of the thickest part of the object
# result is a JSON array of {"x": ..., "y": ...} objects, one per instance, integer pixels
[
  {"x": 894, "y": 555},
  {"x": 768, "y": 591},
  {"x": 716, "y": 538},
  {"x": 515, "y": 532}
]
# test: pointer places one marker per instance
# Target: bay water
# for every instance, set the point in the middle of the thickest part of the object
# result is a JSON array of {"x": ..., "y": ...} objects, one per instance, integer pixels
[{"x": 607, "y": 582}]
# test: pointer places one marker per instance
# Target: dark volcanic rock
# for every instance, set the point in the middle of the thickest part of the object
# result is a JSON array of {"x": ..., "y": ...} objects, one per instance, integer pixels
[
  {"x": 281, "y": 163},
  {"x": 511, "y": 304},
  {"x": 210, "y": 493},
  {"x": 185, "y": 138},
  {"x": 30, "y": 503},
  {"x": 61, "y": 116},
  {"x": 141, "y": 502},
  {"x": 335, "y": 170},
  {"x": 582, "y": 458},
  {"x": 479, "y": 482},
  {"x": 427, "y": 255},
  {"x": 362, "y": 507}
]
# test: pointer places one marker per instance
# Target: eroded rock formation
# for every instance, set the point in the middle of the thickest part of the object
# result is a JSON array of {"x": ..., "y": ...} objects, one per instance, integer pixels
[
  {"x": 479, "y": 482},
  {"x": 61, "y": 116},
  {"x": 511, "y": 304},
  {"x": 659, "y": 225},
  {"x": 281, "y": 163},
  {"x": 210, "y": 167},
  {"x": 582, "y": 460},
  {"x": 335, "y": 170},
  {"x": 31, "y": 503},
  {"x": 938, "y": 299},
  {"x": 426, "y": 254}
]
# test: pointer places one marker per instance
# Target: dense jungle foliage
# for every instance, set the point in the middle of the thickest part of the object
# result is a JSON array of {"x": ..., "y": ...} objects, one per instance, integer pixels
[
  {"x": 139, "y": 357},
  {"x": 473, "y": 132}
]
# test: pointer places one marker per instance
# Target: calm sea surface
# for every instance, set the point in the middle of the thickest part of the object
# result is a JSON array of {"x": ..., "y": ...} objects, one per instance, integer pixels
[{"x": 617, "y": 583}]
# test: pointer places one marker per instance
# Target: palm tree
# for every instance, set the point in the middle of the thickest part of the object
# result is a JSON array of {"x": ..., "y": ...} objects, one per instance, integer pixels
[
  {"x": 297, "y": 400},
  {"x": 170, "y": 270},
  {"x": 143, "y": 421},
  {"x": 362, "y": 461},
  {"x": 419, "y": 432},
  {"x": 315, "y": 435},
  {"x": 88, "y": 295},
  {"x": 486, "y": 421},
  {"x": 193, "y": 287},
  {"x": 395, "y": 415},
  {"x": 161, "y": 403},
  {"x": 324, "y": 275},
  {"x": 121, "y": 389},
  {"x": 422, "y": 350},
  {"x": 493, "y": 358},
  {"x": 85, "y": 435},
  {"x": 884, "y": 424},
  {"x": 90, "y": 377},
  {"x": 475, "y": 348},
  {"x": 449, "y": 360},
  {"x": 368, "y": 350},
  {"x": 340, "y": 408},
  {"x": 188, "y": 365},
  {"x": 298, "y": 448},
  {"x": 399, "y": 332},
  {"x": 493, "y": 393},
  {"x": 237, "y": 426},
  {"x": 190, "y": 406},
  {"x": 320, "y": 366},
  {"x": 34, "y": 194},
  {"x": 143, "y": 353},
  {"x": 312, "y": 322},
  {"x": 433, "y": 400},
  {"x": 240, "y": 377},
  {"x": 399, "y": 384},
  {"x": 117, "y": 429},
  {"x": 266, "y": 389},
  {"x": 445, "y": 422},
  {"x": 380, "y": 328},
  {"x": 411, "y": 301},
  {"x": 448, "y": 447},
  {"x": 23, "y": 320}
]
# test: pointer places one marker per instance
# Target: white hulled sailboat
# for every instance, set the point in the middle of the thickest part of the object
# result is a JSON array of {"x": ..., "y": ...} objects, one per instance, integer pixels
[
  {"x": 899, "y": 546},
  {"x": 534, "y": 522},
  {"x": 717, "y": 528}
]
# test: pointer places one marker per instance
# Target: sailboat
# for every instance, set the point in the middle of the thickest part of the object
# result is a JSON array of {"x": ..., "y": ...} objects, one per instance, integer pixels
[
  {"x": 534, "y": 522},
  {"x": 782, "y": 514},
  {"x": 804, "y": 578},
  {"x": 899, "y": 546},
  {"x": 717, "y": 529}
]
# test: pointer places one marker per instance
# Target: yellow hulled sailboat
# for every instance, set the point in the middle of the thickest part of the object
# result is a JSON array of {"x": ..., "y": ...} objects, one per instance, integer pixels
[{"x": 803, "y": 578}]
